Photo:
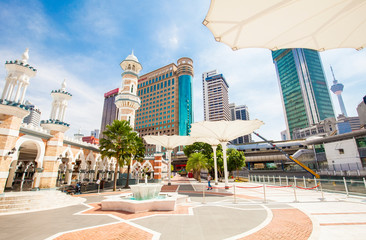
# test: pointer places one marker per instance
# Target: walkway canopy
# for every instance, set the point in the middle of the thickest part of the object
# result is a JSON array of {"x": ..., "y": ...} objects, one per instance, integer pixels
[
  {"x": 169, "y": 142},
  {"x": 224, "y": 131},
  {"x": 277, "y": 24}
]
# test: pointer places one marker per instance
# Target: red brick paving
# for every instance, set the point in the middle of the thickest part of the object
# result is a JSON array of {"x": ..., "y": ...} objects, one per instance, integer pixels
[
  {"x": 126, "y": 215},
  {"x": 287, "y": 224},
  {"x": 121, "y": 231},
  {"x": 171, "y": 188}
]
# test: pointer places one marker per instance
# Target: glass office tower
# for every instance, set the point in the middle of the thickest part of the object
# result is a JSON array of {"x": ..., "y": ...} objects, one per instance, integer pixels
[{"x": 303, "y": 87}]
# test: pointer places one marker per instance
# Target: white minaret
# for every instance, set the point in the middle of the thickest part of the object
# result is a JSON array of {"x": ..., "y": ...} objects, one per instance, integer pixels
[
  {"x": 59, "y": 104},
  {"x": 17, "y": 80},
  {"x": 127, "y": 100}
]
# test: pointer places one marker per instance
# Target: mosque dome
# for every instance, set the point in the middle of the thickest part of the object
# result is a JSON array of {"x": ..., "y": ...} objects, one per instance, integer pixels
[{"x": 132, "y": 57}]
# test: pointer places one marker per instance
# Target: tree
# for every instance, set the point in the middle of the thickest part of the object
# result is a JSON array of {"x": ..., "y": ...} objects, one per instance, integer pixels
[
  {"x": 197, "y": 161},
  {"x": 201, "y": 147},
  {"x": 235, "y": 160},
  {"x": 119, "y": 142}
]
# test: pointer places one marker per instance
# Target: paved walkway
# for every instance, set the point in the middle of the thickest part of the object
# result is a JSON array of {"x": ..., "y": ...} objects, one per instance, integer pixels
[{"x": 240, "y": 212}]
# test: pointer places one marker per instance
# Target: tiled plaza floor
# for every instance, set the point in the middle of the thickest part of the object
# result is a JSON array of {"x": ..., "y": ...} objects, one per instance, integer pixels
[{"x": 240, "y": 212}]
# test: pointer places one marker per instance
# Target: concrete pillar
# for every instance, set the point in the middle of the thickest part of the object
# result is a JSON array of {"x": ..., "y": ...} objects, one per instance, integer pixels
[
  {"x": 69, "y": 176},
  {"x": 23, "y": 94},
  {"x": 158, "y": 161},
  {"x": 12, "y": 170},
  {"x": 37, "y": 177},
  {"x": 18, "y": 92},
  {"x": 223, "y": 144},
  {"x": 8, "y": 96},
  {"x": 10, "y": 121},
  {"x": 215, "y": 163}
]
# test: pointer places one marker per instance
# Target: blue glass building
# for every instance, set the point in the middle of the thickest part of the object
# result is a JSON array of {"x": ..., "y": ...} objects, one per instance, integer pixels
[{"x": 303, "y": 87}]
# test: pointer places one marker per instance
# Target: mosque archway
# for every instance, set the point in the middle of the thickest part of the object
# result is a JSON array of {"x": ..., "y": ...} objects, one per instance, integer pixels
[{"x": 23, "y": 168}]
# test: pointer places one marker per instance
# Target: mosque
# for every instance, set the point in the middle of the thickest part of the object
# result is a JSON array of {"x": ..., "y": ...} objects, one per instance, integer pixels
[{"x": 42, "y": 157}]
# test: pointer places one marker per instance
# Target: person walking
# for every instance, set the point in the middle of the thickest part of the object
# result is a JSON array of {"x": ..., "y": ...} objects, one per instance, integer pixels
[{"x": 209, "y": 187}]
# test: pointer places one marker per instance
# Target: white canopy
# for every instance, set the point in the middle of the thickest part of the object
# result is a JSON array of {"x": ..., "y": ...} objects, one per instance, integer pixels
[
  {"x": 277, "y": 24},
  {"x": 224, "y": 131},
  {"x": 169, "y": 142}
]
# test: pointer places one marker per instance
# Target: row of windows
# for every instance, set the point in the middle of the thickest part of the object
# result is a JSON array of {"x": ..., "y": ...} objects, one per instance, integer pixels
[
  {"x": 145, "y": 113},
  {"x": 154, "y": 88},
  {"x": 156, "y": 79},
  {"x": 157, "y": 123},
  {"x": 157, "y": 86},
  {"x": 157, "y": 128}
]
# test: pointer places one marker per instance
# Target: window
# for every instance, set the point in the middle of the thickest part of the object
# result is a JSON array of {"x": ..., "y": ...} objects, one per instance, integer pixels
[{"x": 341, "y": 151}]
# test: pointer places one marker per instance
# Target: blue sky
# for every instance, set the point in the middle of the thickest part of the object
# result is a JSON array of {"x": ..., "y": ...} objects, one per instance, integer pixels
[{"x": 84, "y": 42}]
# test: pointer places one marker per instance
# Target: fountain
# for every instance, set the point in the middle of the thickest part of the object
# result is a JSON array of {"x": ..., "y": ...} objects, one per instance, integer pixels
[{"x": 144, "y": 197}]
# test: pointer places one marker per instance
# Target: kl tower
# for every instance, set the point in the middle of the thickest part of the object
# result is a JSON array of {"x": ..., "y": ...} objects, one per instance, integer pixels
[
  {"x": 127, "y": 100},
  {"x": 337, "y": 89}
]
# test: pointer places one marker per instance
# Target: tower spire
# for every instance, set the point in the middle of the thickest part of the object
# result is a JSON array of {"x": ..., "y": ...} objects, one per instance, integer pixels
[{"x": 337, "y": 89}]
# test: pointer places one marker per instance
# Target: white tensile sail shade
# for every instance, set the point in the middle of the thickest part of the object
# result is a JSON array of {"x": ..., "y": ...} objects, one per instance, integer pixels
[
  {"x": 169, "y": 142},
  {"x": 277, "y": 24},
  {"x": 224, "y": 131}
]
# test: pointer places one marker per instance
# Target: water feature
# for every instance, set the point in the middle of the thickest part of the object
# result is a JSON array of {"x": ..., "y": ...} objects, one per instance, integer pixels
[{"x": 144, "y": 197}]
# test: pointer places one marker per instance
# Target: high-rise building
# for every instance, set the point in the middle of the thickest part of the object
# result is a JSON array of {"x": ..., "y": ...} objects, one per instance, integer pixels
[
  {"x": 215, "y": 97},
  {"x": 95, "y": 133},
  {"x": 303, "y": 87},
  {"x": 110, "y": 110},
  {"x": 337, "y": 89},
  {"x": 240, "y": 113},
  {"x": 361, "y": 110},
  {"x": 34, "y": 117},
  {"x": 166, "y": 101}
]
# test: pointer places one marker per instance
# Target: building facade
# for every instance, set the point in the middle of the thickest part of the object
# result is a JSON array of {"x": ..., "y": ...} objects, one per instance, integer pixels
[
  {"x": 361, "y": 110},
  {"x": 42, "y": 157},
  {"x": 34, "y": 117},
  {"x": 110, "y": 110},
  {"x": 303, "y": 88},
  {"x": 166, "y": 101},
  {"x": 240, "y": 113},
  {"x": 215, "y": 97}
]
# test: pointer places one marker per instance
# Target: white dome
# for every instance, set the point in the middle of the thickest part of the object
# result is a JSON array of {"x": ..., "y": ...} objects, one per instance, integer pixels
[{"x": 132, "y": 57}]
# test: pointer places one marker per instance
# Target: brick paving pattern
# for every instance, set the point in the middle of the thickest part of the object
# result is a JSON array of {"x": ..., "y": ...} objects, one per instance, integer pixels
[
  {"x": 287, "y": 224},
  {"x": 126, "y": 215},
  {"x": 116, "y": 231},
  {"x": 171, "y": 188}
]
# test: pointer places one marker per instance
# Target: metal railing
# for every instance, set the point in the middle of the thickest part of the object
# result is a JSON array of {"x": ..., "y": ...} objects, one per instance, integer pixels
[{"x": 344, "y": 185}]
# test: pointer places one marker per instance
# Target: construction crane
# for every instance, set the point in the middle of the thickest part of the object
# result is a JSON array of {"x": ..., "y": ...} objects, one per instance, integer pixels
[{"x": 289, "y": 157}]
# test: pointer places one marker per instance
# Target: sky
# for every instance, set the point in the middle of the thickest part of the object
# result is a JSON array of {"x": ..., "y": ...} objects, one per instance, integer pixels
[{"x": 85, "y": 41}]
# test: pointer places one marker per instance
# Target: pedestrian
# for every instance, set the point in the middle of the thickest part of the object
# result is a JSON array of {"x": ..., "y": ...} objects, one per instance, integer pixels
[{"x": 209, "y": 187}]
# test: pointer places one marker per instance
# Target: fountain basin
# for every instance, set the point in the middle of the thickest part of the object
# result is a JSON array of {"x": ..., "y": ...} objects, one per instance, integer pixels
[
  {"x": 123, "y": 202},
  {"x": 145, "y": 191}
]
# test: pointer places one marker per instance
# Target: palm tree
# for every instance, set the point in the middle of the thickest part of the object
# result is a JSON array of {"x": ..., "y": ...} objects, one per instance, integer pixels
[
  {"x": 197, "y": 161},
  {"x": 116, "y": 143},
  {"x": 136, "y": 149}
]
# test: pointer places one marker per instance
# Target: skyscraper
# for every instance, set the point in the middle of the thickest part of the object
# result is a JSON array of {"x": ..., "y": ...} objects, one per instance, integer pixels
[
  {"x": 303, "y": 87},
  {"x": 166, "y": 101},
  {"x": 110, "y": 110},
  {"x": 215, "y": 97},
  {"x": 240, "y": 113},
  {"x": 34, "y": 117}
]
